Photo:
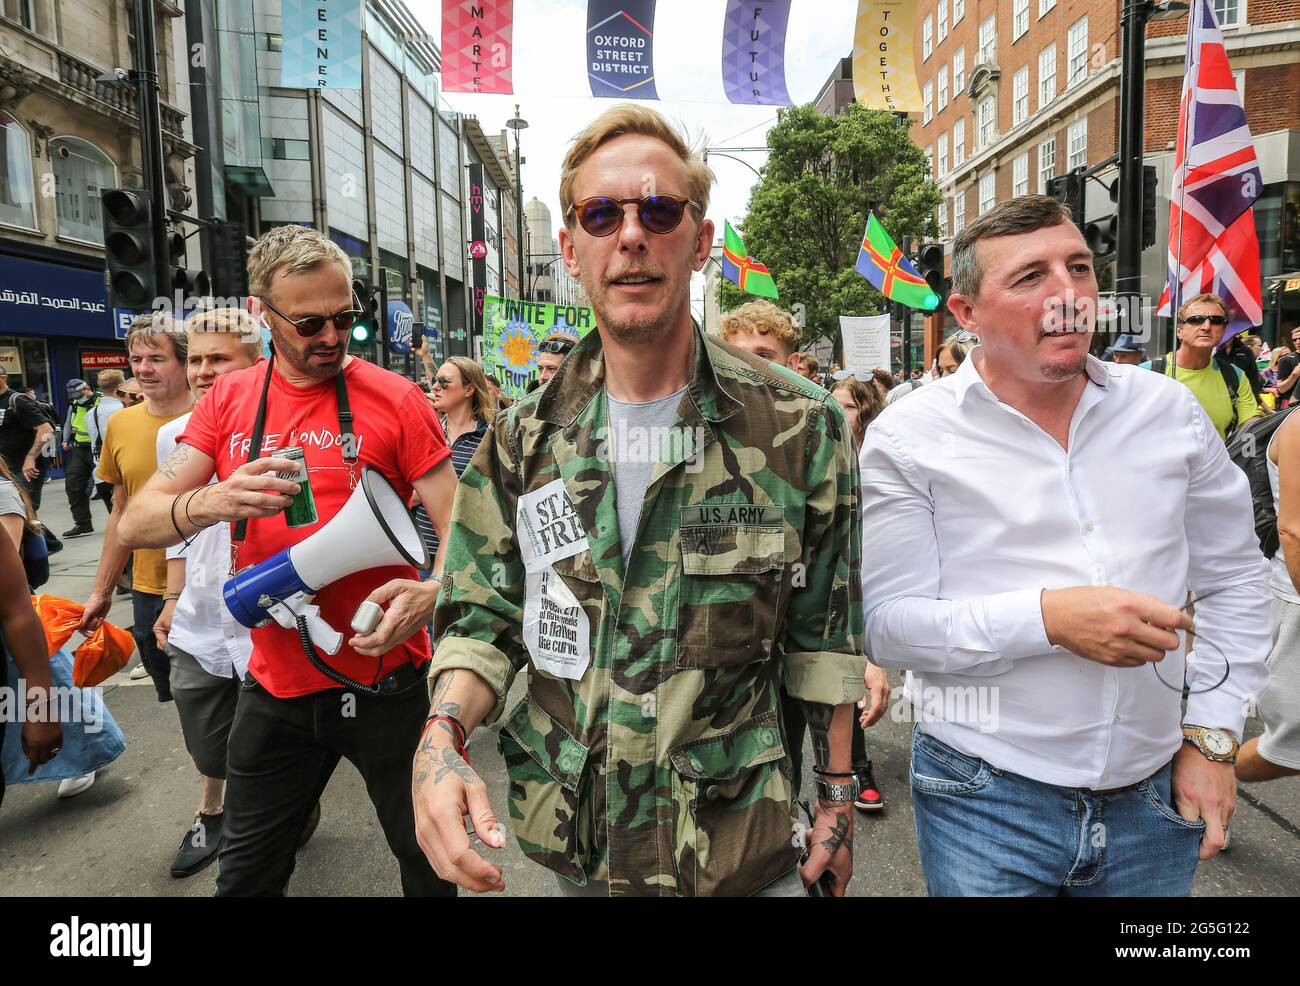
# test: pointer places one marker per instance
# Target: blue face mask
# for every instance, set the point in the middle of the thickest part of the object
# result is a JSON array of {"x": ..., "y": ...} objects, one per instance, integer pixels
[{"x": 266, "y": 335}]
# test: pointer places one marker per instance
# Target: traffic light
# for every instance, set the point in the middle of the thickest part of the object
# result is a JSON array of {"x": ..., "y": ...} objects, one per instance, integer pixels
[
  {"x": 190, "y": 282},
  {"x": 229, "y": 260},
  {"x": 128, "y": 249},
  {"x": 1148, "y": 205},
  {"x": 929, "y": 263},
  {"x": 1068, "y": 188},
  {"x": 1102, "y": 235},
  {"x": 367, "y": 324}
]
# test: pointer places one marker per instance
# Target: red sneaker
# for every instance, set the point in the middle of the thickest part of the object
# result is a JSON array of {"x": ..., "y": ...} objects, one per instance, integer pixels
[{"x": 868, "y": 798}]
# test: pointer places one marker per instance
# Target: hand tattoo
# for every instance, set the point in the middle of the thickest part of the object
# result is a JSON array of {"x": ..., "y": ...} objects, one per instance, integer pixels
[
  {"x": 441, "y": 762},
  {"x": 840, "y": 835}
]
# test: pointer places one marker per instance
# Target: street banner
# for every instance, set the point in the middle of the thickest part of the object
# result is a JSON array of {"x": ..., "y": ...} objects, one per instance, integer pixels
[
  {"x": 890, "y": 272},
  {"x": 620, "y": 49},
  {"x": 884, "y": 61},
  {"x": 1213, "y": 243},
  {"x": 477, "y": 55},
  {"x": 477, "y": 234},
  {"x": 753, "y": 52},
  {"x": 512, "y": 331},
  {"x": 866, "y": 344},
  {"x": 322, "y": 44},
  {"x": 743, "y": 270}
]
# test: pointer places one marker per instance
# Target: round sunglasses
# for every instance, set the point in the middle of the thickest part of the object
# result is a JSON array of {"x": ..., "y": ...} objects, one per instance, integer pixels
[{"x": 601, "y": 215}]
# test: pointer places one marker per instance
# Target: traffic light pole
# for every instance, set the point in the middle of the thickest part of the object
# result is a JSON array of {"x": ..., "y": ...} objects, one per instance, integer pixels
[
  {"x": 1128, "y": 247},
  {"x": 149, "y": 114}
]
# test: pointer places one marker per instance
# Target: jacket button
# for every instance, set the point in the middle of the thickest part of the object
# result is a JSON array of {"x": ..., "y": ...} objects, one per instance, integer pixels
[
  {"x": 695, "y": 762},
  {"x": 768, "y": 736},
  {"x": 713, "y": 792}
]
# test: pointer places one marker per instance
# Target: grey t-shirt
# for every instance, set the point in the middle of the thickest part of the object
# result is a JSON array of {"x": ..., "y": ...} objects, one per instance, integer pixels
[
  {"x": 636, "y": 435},
  {"x": 10, "y": 501}
]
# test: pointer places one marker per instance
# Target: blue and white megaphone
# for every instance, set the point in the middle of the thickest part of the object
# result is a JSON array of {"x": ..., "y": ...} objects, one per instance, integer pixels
[{"x": 373, "y": 530}]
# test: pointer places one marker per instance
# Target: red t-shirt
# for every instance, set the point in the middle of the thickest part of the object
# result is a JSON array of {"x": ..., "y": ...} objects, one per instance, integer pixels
[{"x": 397, "y": 433}]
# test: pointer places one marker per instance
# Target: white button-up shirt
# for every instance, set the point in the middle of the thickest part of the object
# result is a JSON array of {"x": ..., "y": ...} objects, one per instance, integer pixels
[
  {"x": 970, "y": 510},
  {"x": 201, "y": 624}
]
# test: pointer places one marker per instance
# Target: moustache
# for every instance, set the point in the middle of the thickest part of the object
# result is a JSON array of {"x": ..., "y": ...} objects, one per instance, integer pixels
[{"x": 635, "y": 270}]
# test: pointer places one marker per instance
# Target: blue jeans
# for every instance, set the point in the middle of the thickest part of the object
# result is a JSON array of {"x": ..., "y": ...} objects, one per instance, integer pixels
[{"x": 985, "y": 832}]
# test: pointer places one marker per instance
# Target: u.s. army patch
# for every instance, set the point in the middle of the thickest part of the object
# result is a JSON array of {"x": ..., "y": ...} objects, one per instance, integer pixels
[{"x": 765, "y": 515}]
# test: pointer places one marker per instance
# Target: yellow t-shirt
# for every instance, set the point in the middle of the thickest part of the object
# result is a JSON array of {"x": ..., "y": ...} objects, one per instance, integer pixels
[
  {"x": 130, "y": 459},
  {"x": 1211, "y": 390}
]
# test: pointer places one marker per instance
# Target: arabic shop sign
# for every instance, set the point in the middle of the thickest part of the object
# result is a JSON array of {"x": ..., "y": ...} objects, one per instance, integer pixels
[{"x": 37, "y": 298}]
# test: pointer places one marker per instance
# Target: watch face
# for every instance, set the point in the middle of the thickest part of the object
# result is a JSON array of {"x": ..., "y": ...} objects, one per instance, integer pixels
[{"x": 1219, "y": 743}]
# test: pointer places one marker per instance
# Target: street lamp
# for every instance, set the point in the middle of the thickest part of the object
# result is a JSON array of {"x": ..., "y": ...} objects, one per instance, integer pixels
[{"x": 518, "y": 123}]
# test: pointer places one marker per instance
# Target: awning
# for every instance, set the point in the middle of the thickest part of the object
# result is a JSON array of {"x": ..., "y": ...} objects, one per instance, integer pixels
[{"x": 251, "y": 180}]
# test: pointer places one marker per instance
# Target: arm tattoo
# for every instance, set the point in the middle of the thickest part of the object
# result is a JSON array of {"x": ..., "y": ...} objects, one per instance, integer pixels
[
  {"x": 819, "y": 727},
  {"x": 443, "y": 706},
  {"x": 180, "y": 455},
  {"x": 840, "y": 835},
  {"x": 441, "y": 763}
]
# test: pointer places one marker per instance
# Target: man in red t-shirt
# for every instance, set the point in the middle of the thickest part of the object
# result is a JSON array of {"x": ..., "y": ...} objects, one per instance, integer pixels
[{"x": 293, "y": 723}]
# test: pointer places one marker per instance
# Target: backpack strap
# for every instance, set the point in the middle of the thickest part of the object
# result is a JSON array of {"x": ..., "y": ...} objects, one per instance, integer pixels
[
  {"x": 1232, "y": 380},
  {"x": 1159, "y": 365}
]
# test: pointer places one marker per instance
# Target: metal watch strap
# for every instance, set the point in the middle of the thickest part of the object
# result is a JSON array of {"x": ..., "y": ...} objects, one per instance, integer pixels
[{"x": 831, "y": 791}]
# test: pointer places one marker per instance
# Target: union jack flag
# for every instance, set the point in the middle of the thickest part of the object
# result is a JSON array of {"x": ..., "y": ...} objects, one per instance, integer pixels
[{"x": 1212, "y": 240}]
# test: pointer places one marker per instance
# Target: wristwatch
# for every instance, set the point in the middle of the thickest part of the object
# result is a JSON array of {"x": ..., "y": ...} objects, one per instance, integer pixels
[
  {"x": 1218, "y": 745},
  {"x": 831, "y": 791}
]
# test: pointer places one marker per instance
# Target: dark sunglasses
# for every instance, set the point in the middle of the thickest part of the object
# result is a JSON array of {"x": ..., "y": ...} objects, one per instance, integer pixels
[
  {"x": 442, "y": 381},
  {"x": 601, "y": 216},
  {"x": 560, "y": 346},
  {"x": 1202, "y": 319},
  {"x": 312, "y": 324}
]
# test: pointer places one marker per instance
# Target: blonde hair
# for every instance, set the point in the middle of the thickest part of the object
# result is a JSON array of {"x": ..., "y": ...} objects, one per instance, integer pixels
[
  {"x": 631, "y": 118},
  {"x": 149, "y": 328},
  {"x": 809, "y": 362},
  {"x": 110, "y": 379},
  {"x": 232, "y": 321},
  {"x": 1202, "y": 299},
  {"x": 291, "y": 250},
  {"x": 485, "y": 404},
  {"x": 764, "y": 318}
]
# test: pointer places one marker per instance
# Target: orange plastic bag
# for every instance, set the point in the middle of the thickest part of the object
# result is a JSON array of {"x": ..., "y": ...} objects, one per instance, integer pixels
[
  {"x": 59, "y": 617},
  {"x": 101, "y": 655}
]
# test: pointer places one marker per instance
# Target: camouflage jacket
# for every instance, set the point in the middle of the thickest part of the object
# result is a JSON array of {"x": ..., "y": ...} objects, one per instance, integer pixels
[{"x": 662, "y": 768}]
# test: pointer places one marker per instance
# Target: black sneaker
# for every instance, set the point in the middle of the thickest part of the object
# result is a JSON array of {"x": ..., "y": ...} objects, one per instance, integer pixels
[
  {"x": 200, "y": 845},
  {"x": 52, "y": 544},
  {"x": 868, "y": 798},
  {"x": 78, "y": 532}
]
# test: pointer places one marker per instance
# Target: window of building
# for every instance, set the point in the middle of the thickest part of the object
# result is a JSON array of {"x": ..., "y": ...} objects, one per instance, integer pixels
[
  {"x": 941, "y": 216},
  {"x": 927, "y": 100},
  {"x": 1020, "y": 176},
  {"x": 81, "y": 172},
  {"x": 1228, "y": 12},
  {"x": 1047, "y": 75},
  {"x": 958, "y": 71},
  {"x": 958, "y": 212},
  {"x": 20, "y": 11},
  {"x": 959, "y": 143},
  {"x": 988, "y": 192},
  {"x": 927, "y": 38},
  {"x": 943, "y": 155},
  {"x": 274, "y": 42},
  {"x": 1019, "y": 19},
  {"x": 1078, "y": 142},
  {"x": 1239, "y": 77},
  {"x": 989, "y": 39},
  {"x": 943, "y": 20},
  {"x": 282, "y": 149},
  {"x": 17, "y": 191},
  {"x": 1078, "y": 51},
  {"x": 1044, "y": 6},
  {"x": 1020, "y": 95},
  {"x": 929, "y": 162},
  {"x": 943, "y": 87},
  {"x": 958, "y": 11},
  {"x": 1046, "y": 164},
  {"x": 987, "y": 130}
]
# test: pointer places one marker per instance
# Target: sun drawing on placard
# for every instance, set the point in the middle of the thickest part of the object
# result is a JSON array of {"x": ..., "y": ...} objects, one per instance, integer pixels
[{"x": 517, "y": 348}]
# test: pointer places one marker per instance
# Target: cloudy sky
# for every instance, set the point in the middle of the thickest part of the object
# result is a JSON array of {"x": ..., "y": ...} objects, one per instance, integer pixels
[{"x": 554, "y": 96}]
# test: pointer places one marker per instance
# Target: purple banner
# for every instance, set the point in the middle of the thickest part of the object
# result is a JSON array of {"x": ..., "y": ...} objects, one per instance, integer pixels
[{"x": 753, "y": 52}]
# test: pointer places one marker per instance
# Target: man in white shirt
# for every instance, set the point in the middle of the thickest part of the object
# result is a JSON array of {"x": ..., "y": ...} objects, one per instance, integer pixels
[{"x": 1051, "y": 754}]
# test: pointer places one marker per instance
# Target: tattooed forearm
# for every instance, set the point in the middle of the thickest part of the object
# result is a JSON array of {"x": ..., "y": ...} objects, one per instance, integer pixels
[
  {"x": 819, "y": 728},
  {"x": 841, "y": 835},
  {"x": 439, "y": 763},
  {"x": 180, "y": 455}
]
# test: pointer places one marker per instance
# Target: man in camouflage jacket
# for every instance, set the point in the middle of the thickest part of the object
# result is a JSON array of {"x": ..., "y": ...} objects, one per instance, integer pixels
[{"x": 647, "y": 757}]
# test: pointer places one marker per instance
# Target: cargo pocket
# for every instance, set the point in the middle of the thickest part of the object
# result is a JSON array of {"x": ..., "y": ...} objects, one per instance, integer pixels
[
  {"x": 550, "y": 816},
  {"x": 732, "y": 822},
  {"x": 729, "y": 594}
]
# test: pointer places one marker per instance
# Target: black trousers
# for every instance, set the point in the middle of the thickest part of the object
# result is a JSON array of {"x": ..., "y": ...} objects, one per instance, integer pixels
[
  {"x": 77, "y": 479},
  {"x": 32, "y": 487},
  {"x": 145, "y": 610},
  {"x": 796, "y": 725},
  {"x": 281, "y": 754}
]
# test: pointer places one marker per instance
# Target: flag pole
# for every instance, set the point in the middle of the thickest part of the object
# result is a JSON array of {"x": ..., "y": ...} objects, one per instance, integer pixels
[{"x": 1176, "y": 291}]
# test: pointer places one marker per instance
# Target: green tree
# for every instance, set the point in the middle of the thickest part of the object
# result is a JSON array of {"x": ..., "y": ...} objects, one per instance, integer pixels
[{"x": 809, "y": 209}]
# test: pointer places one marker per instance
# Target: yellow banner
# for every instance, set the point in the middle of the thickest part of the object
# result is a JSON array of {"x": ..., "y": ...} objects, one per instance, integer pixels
[{"x": 884, "y": 59}]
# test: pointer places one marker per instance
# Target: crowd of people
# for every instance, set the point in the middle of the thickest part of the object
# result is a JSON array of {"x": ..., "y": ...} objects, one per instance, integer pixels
[{"x": 690, "y": 544}]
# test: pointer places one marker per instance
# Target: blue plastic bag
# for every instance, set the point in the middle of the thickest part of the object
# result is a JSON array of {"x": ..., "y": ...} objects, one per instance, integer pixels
[{"x": 91, "y": 739}]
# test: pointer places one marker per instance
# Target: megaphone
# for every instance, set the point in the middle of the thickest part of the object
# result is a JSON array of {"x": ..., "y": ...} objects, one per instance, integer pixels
[{"x": 374, "y": 529}]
